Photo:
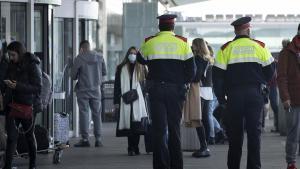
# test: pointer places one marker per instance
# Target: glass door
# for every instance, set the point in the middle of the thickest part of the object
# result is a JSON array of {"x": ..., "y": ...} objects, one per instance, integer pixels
[
  {"x": 88, "y": 31},
  {"x": 13, "y": 22},
  {"x": 62, "y": 57}
]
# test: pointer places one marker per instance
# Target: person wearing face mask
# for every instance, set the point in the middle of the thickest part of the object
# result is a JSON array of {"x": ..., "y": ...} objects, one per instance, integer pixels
[
  {"x": 128, "y": 76},
  {"x": 89, "y": 69}
]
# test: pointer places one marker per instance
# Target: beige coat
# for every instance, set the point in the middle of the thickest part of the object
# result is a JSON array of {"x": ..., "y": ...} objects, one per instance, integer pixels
[{"x": 192, "y": 114}]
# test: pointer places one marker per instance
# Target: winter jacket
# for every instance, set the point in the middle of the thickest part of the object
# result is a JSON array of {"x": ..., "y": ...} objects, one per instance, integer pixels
[
  {"x": 28, "y": 77},
  {"x": 289, "y": 73},
  {"x": 201, "y": 65},
  {"x": 89, "y": 69}
]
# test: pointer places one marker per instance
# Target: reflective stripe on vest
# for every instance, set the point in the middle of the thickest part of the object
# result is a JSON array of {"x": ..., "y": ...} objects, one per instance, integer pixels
[
  {"x": 165, "y": 45},
  {"x": 243, "y": 50}
]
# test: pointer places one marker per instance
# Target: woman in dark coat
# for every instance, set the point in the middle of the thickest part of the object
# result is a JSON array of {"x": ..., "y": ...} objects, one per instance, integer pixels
[
  {"x": 200, "y": 52},
  {"x": 23, "y": 85},
  {"x": 128, "y": 76}
]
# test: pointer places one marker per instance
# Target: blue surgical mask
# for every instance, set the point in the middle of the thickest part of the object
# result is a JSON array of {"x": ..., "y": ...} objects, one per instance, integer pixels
[{"x": 132, "y": 58}]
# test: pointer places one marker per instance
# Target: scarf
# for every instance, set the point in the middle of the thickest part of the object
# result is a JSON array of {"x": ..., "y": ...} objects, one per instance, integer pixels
[{"x": 139, "y": 107}]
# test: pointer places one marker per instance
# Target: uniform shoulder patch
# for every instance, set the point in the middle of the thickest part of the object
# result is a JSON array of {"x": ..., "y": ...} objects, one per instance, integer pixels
[
  {"x": 259, "y": 42},
  {"x": 181, "y": 37},
  {"x": 225, "y": 45},
  {"x": 148, "y": 38}
]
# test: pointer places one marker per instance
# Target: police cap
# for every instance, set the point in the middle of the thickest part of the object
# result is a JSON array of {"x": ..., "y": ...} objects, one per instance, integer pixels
[
  {"x": 167, "y": 19},
  {"x": 241, "y": 23}
]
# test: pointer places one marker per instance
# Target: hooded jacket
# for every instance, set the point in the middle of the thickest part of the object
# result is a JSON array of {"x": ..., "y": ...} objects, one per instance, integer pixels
[
  {"x": 289, "y": 72},
  {"x": 28, "y": 77},
  {"x": 89, "y": 69}
]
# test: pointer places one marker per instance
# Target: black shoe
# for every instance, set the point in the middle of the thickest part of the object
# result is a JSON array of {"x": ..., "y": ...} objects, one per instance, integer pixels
[
  {"x": 98, "y": 143},
  {"x": 220, "y": 138},
  {"x": 201, "y": 153},
  {"x": 274, "y": 131},
  {"x": 137, "y": 151},
  {"x": 131, "y": 153},
  {"x": 83, "y": 143},
  {"x": 211, "y": 141}
]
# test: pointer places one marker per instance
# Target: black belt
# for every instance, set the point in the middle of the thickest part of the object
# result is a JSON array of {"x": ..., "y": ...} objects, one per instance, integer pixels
[{"x": 163, "y": 83}]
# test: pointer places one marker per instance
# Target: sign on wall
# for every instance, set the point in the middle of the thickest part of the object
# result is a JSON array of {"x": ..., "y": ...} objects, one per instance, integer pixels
[{"x": 87, "y": 9}]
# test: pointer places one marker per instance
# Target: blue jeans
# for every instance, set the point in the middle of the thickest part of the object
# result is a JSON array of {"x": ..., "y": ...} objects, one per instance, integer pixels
[
  {"x": 214, "y": 126},
  {"x": 293, "y": 133}
]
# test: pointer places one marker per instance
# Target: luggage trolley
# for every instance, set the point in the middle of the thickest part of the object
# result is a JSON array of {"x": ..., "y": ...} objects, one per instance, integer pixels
[
  {"x": 61, "y": 121},
  {"x": 107, "y": 90}
]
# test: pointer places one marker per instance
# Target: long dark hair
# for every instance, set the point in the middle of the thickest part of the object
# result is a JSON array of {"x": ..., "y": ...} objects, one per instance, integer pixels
[
  {"x": 126, "y": 60},
  {"x": 17, "y": 47},
  {"x": 140, "y": 69}
]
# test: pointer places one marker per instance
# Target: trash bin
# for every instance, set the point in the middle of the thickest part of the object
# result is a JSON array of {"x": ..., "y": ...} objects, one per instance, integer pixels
[{"x": 189, "y": 139}]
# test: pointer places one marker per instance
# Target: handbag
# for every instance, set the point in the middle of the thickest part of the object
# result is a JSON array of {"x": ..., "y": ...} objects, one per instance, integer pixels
[
  {"x": 141, "y": 127},
  {"x": 130, "y": 96},
  {"x": 20, "y": 111}
]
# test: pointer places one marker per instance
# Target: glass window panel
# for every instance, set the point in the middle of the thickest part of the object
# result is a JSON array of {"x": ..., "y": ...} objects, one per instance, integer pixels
[
  {"x": 38, "y": 30},
  {"x": 13, "y": 22}
]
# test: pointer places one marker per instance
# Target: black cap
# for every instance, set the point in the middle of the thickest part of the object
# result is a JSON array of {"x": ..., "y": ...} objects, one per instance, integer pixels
[
  {"x": 241, "y": 21},
  {"x": 167, "y": 18}
]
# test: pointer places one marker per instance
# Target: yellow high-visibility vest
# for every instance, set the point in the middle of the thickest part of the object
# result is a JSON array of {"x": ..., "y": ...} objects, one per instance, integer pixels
[
  {"x": 166, "y": 45},
  {"x": 243, "y": 50}
]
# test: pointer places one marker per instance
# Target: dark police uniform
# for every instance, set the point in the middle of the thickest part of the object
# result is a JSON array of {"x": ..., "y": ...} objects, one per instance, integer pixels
[
  {"x": 171, "y": 65},
  {"x": 241, "y": 68}
]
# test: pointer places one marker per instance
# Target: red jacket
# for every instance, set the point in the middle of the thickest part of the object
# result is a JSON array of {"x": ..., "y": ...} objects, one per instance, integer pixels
[{"x": 289, "y": 73}]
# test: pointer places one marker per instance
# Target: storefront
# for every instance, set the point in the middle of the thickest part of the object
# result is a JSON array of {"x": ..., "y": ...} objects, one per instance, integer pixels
[{"x": 53, "y": 29}]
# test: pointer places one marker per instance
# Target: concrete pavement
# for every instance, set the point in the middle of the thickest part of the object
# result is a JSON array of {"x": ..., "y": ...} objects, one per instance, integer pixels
[{"x": 114, "y": 155}]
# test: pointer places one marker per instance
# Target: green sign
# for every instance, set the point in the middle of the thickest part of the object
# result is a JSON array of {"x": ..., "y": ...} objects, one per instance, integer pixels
[{"x": 51, "y": 2}]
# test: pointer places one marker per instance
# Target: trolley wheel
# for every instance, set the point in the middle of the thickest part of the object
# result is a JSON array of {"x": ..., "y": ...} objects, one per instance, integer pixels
[{"x": 57, "y": 157}]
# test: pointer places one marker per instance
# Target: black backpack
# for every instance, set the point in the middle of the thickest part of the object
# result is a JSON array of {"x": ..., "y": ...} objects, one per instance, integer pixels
[{"x": 42, "y": 140}]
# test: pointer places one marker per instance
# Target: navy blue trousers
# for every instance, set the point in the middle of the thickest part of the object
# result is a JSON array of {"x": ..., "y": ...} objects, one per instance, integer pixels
[
  {"x": 166, "y": 103},
  {"x": 244, "y": 112}
]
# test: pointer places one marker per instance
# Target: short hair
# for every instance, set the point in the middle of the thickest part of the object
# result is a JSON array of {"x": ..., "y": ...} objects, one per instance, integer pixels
[
  {"x": 84, "y": 43},
  {"x": 166, "y": 27}
]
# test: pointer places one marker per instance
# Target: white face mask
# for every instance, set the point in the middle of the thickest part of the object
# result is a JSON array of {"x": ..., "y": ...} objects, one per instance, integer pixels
[{"x": 132, "y": 58}]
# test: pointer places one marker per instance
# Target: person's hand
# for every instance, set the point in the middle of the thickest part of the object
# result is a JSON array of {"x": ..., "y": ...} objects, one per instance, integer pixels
[
  {"x": 11, "y": 84},
  {"x": 287, "y": 104}
]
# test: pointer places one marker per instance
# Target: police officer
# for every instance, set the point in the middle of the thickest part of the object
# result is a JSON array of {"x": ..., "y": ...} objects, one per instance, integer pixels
[
  {"x": 171, "y": 65},
  {"x": 241, "y": 69}
]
